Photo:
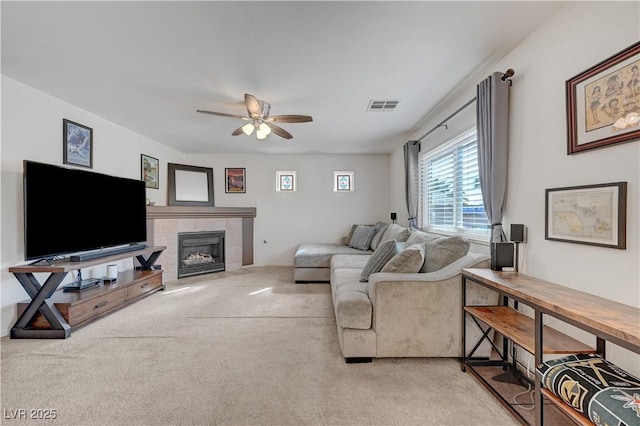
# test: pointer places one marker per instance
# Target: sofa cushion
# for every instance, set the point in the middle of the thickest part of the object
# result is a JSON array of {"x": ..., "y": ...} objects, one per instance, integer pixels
[
  {"x": 362, "y": 236},
  {"x": 351, "y": 299},
  {"x": 409, "y": 260},
  {"x": 378, "y": 259},
  {"x": 395, "y": 232},
  {"x": 318, "y": 255},
  {"x": 349, "y": 261},
  {"x": 443, "y": 251},
  {"x": 422, "y": 237}
]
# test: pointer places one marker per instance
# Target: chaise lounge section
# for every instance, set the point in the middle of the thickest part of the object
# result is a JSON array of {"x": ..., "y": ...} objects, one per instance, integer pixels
[{"x": 312, "y": 261}]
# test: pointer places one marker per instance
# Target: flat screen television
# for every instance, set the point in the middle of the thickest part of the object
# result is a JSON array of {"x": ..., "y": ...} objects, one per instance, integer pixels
[{"x": 71, "y": 210}]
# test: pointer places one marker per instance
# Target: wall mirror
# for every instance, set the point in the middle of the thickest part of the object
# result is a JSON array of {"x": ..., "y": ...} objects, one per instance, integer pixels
[{"x": 190, "y": 186}]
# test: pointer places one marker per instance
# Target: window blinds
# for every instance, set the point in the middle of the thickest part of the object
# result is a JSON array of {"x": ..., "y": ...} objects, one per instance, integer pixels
[{"x": 450, "y": 195}]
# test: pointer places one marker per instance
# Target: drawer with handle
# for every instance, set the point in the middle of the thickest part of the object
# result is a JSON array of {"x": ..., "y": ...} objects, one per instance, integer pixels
[
  {"x": 143, "y": 286},
  {"x": 96, "y": 306}
]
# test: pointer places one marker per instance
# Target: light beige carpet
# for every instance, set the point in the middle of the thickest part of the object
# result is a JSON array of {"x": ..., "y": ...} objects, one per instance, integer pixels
[{"x": 233, "y": 348}]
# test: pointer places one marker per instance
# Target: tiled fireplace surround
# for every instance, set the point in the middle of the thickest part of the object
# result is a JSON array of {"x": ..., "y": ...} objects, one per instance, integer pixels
[{"x": 165, "y": 222}]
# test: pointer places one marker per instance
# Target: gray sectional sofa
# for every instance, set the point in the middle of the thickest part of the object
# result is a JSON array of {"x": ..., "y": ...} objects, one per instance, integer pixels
[{"x": 410, "y": 305}]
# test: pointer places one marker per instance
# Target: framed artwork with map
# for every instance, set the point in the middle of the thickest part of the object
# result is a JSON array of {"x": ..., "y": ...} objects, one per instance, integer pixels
[{"x": 590, "y": 214}]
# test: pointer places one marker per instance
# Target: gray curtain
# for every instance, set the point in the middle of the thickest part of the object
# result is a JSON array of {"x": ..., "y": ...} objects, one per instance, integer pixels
[
  {"x": 493, "y": 132},
  {"x": 411, "y": 150}
]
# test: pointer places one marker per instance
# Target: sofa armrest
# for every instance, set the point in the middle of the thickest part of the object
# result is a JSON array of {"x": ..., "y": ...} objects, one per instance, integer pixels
[{"x": 470, "y": 260}]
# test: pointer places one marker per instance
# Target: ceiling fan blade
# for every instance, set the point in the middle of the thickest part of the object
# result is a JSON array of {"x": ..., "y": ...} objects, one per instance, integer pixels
[
  {"x": 223, "y": 114},
  {"x": 253, "y": 105},
  {"x": 280, "y": 131},
  {"x": 290, "y": 118},
  {"x": 238, "y": 131}
]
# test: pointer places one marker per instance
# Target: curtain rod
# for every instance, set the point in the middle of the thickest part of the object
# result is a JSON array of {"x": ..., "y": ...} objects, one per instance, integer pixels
[{"x": 505, "y": 77}]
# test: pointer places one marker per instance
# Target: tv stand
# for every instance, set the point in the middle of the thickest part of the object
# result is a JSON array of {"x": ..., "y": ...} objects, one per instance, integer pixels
[{"x": 52, "y": 314}]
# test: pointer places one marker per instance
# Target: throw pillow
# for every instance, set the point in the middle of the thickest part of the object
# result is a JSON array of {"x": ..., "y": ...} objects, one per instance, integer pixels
[
  {"x": 422, "y": 237},
  {"x": 375, "y": 241},
  {"x": 362, "y": 236},
  {"x": 378, "y": 259},
  {"x": 443, "y": 251},
  {"x": 409, "y": 260},
  {"x": 350, "y": 235},
  {"x": 395, "y": 232}
]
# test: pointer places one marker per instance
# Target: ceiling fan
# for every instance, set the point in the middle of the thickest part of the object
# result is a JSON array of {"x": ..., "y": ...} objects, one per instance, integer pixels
[{"x": 260, "y": 120}]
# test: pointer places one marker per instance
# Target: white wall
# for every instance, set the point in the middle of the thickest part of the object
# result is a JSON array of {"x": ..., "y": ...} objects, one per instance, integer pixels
[
  {"x": 314, "y": 213},
  {"x": 575, "y": 39},
  {"x": 32, "y": 130}
]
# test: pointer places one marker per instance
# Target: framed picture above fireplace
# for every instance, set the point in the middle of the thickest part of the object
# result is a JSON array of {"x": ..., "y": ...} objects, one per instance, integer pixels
[
  {"x": 235, "y": 180},
  {"x": 190, "y": 186}
]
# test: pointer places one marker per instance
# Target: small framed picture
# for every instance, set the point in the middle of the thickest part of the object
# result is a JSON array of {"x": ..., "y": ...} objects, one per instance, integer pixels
[
  {"x": 149, "y": 171},
  {"x": 235, "y": 180},
  {"x": 77, "y": 144}
]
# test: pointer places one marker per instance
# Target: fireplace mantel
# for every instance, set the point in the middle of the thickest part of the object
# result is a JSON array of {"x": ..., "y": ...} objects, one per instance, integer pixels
[
  {"x": 165, "y": 222},
  {"x": 185, "y": 212}
]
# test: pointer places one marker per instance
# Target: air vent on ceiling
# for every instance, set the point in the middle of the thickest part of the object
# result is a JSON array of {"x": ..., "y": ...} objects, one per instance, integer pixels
[{"x": 382, "y": 105}]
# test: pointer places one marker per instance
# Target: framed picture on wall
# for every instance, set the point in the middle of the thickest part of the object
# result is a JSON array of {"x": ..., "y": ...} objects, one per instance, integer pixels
[
  {"x": 149, "y": 171},
  {"x": 235, "y": 180},
  {"x": 77, "y": 144},
  {"x": 588, "y": 214},
  {"x": 603, "y": 103}
]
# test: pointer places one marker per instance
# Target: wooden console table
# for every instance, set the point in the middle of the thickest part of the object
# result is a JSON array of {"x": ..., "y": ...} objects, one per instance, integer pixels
[
  {"x": 41, "y": 317},
  {"x": 605, "y": 319}
]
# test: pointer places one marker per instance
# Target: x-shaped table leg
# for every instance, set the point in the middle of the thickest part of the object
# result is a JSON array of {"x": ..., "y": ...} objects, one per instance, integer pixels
[{"x": 39, "y": 303}]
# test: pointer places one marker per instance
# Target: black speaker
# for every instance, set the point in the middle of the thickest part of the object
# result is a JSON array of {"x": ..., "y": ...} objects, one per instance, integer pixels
[
  {"x": 501, "y": 256},
  {"x": 517, "y": 233},
  {"x": 393, "y": 217}
]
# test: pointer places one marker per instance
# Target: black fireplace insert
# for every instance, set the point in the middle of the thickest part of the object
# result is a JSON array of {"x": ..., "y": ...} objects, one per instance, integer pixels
[{"x": 200, "y": 253}]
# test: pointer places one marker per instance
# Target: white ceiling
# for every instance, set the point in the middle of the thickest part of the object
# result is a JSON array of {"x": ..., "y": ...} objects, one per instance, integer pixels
[{"x": 148, "y": 66}]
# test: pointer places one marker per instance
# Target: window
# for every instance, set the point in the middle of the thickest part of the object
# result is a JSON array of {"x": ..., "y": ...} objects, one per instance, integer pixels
[
  {"x": 450, "y": 195},
  {"x": 286, "y": 181},
  {"x": 342, "y": 181}
]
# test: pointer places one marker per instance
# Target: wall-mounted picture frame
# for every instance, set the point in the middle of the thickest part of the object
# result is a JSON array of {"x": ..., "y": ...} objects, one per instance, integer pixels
[
  {"x": 149, "y": 171},
  {"x": 603, "y": 103},
  {"x": 77, "y": 144},
  {"x": 588, "y": 214},
  {"x": 235, "y": 180},
  {"x": 286, "y": 181},
  {"x": 189, "y": 186}
]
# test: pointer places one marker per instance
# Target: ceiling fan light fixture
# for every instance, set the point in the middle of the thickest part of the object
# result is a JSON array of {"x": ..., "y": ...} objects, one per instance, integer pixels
[
  {"x": 259, "y": 119},
  {"x": 264, "y": 128},
  {"x": 260, "y": 135},
  {"x": 248, "y": 129}
]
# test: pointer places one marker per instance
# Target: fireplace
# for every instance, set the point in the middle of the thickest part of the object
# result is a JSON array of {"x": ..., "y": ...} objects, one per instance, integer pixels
[{"x": 200, "y": 253}]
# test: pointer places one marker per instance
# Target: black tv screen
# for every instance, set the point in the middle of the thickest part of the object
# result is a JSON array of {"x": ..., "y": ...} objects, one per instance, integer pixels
[{"x": 71, "y": 210}]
